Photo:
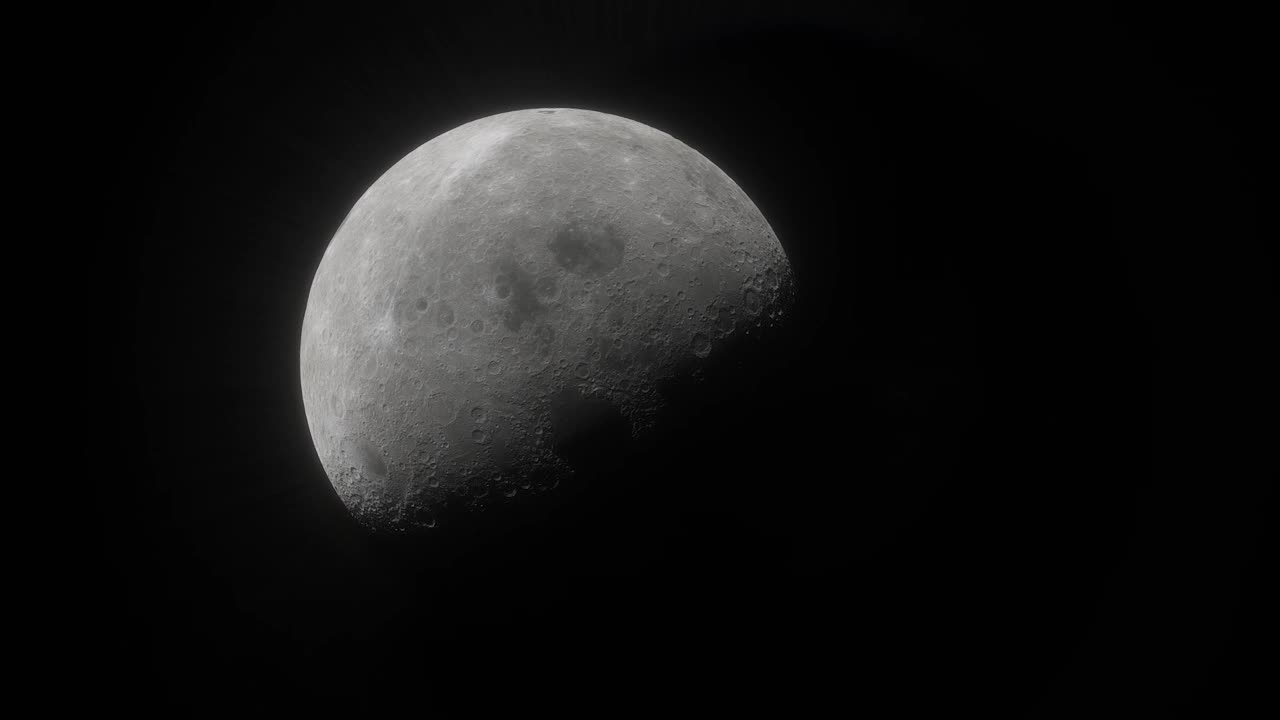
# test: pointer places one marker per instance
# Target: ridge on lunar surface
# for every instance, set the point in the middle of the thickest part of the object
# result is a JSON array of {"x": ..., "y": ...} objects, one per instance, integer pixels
[{"x": 508, "y": 267}]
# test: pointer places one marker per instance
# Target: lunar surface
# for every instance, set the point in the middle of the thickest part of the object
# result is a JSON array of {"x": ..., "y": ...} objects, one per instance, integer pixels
[{"x": 504, "y": 276}]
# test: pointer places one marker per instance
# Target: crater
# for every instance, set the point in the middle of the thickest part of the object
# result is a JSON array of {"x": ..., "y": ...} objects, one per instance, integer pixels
[
  {"x": 444, "y": 315},
  {"x": 701, "y": 345},
  {"x": 724, "y": 320},
  {"x": 589, "y": 252}
]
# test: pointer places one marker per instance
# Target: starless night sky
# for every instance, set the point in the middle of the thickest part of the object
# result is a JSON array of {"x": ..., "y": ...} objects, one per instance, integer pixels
[{"x": 999, "y": 462}]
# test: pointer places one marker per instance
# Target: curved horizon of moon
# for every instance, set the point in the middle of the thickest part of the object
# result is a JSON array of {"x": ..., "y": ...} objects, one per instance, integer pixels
[{"x": 505, "y": 273}]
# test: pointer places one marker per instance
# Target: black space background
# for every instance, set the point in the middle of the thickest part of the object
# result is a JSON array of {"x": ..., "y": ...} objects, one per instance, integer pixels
[{"x": 1011, "y": 457}]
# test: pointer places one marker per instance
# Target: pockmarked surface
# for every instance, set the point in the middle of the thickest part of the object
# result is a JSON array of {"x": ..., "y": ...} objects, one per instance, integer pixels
[{"x": 502, "y": 280}]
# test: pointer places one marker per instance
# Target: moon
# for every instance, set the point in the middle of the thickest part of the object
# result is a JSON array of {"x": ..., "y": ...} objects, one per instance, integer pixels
[{"x": 503, "y": 279}]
